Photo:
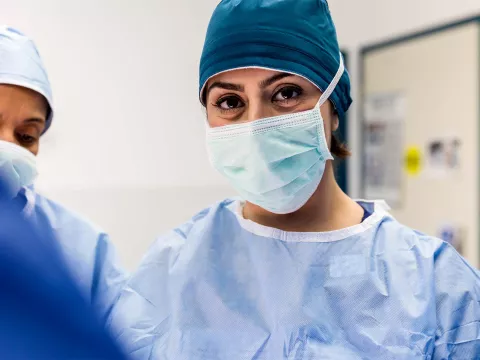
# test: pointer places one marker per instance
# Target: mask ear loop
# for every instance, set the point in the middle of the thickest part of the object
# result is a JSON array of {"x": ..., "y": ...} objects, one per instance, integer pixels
[
  {"x": 331, "y": 87},
  {"x": 325, "y": 96}
]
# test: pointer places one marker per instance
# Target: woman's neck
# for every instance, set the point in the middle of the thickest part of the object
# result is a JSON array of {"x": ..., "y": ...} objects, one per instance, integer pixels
[{"x": 328, "y": 209}]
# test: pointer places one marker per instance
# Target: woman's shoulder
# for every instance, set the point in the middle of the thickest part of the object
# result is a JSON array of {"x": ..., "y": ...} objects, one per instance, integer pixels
[
  {"x": 58, "y": 215},
  {"x": 439, "y": 277},
  {"x": 75, "y": 233},
  {"x": 428, "y": 251},
  {"x": 395, "y": 235},
  {"x": 87, "y": 249},
  {"x": 174, "y": 239}
]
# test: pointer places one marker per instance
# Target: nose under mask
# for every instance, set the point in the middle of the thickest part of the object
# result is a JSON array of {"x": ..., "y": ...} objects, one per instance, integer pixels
[{"x": 18, "y": 169}]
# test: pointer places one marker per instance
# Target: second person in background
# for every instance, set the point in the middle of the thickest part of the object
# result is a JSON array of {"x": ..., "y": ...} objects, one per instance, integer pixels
[
  {"x": 295, "y": 269},
  {"x": 26, "y": 113}
]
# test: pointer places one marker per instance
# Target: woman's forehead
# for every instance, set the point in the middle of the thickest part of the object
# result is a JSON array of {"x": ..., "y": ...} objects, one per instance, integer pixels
[
  {"x": 21, "y": 98},
  {"x": 244, "y": 75},
  {"x": 19, "y": 91}
]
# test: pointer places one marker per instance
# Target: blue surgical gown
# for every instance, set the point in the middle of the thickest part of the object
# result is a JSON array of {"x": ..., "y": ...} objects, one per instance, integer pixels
[
  {"x": 86, "y": 249},
  {"x": 221, "y": 287},
  {"x": 43, "y": 314}
]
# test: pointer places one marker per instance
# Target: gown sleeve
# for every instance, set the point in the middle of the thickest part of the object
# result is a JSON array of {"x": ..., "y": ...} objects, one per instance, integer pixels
[
  {"x": 457, "y": 286},
  {"x": 142, "y": 313}
]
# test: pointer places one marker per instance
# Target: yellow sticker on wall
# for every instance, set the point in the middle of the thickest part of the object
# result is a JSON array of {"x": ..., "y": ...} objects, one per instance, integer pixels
[{"x": 413, "y": 160}]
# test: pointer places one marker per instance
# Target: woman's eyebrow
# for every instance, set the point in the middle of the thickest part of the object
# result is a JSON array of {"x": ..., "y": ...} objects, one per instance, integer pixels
[
  {"x": 225, "y": 86},
  {"x": 272, "y": 79},
  {"x": 240, "y": 88},
  {"x": 35, "y": 120}
]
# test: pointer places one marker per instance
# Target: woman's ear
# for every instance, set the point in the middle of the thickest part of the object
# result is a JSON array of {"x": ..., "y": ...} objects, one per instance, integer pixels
[
  {"x": 334, "y": 115},
  {"x": 335, "y": 121}
]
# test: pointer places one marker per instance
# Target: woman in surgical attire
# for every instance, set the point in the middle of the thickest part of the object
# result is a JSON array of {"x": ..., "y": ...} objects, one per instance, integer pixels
[
  {"x": 295, "y": 269},
  {"x": 26, "y": 113}
]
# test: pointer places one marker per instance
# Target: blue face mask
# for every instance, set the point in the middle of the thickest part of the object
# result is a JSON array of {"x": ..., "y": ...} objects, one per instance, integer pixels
[
  {"x": 276, "y": 163},
  {"x": 18, "y": 168}
]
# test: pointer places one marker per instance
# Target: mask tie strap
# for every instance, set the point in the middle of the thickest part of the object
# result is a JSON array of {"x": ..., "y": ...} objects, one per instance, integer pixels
[{"x": 331, "y": 87}]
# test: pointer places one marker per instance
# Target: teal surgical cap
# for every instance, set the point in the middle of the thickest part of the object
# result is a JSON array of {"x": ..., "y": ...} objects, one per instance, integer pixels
[
  {"x": 21, "y": 65},
  {"x": 294, "y": 36}
]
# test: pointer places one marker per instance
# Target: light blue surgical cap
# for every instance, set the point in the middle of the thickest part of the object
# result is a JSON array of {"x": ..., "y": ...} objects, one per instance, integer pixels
[
  {"x": 295, "y": 36},
  {"x": 21, "y": 65}
]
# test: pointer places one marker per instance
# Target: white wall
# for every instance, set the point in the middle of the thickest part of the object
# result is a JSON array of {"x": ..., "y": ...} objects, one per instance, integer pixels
[{"x": 127, "y": 144}]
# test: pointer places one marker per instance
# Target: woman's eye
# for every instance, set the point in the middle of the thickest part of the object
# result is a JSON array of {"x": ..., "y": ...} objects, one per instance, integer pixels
[
  {"x": 230, "y": 103},
  {"x": 26, "y": 139},
  {"x": 287, "y": 93}
]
